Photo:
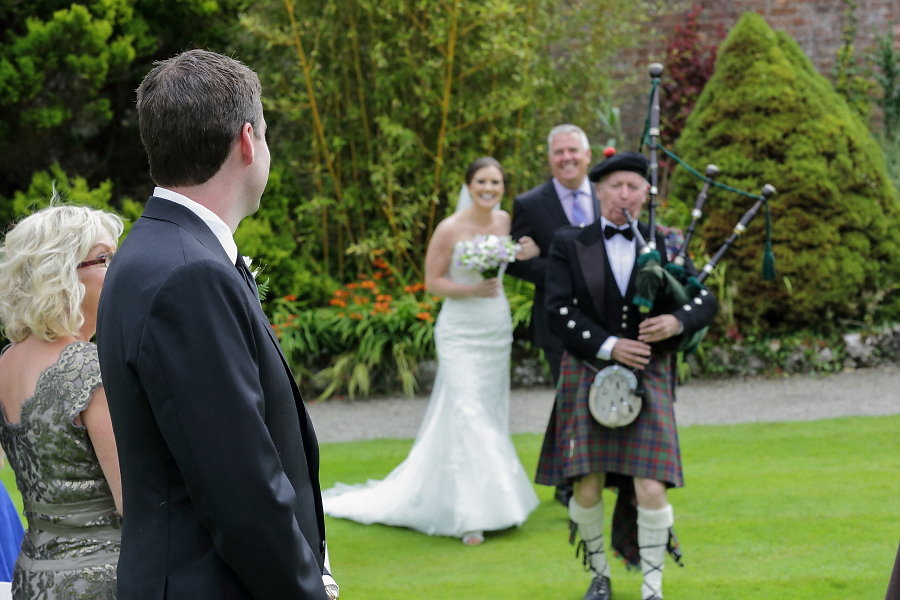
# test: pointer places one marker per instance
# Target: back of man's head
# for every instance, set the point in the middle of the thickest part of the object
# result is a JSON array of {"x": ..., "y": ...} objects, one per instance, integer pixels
[{"x": 191, "y": 108}]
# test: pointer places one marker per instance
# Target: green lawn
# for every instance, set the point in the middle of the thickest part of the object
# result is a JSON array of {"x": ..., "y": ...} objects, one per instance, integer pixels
[
  {"x": 806, "y": 511},
  {"x": 770, "y": 511}
]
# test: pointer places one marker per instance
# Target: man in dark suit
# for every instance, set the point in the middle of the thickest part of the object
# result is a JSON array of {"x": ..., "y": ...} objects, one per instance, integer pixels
[
  {"x": 219, "y": 459},
  {"x": 567, "y": 198},
  {"x": 590, "y": 291}
]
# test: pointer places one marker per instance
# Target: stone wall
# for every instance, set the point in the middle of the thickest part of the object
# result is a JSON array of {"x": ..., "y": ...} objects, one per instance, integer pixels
[{"x": 816, "y": 25}]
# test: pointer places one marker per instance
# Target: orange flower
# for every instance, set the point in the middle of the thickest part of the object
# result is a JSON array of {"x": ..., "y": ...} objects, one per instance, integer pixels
[
  {"x": 360, "y": 300},
  {"x": 383, "y": 298},
  {"x": 425, "y": 316},
  {"x": 377, "y": 275},
  {"x": 337, "y": 302},
  {"x": 424, "y": 305},
  {"x": 291, "y": 297},
  {"x": 369, "y": 285},
  {"x": 352, "y": 286},
  {"x": 380, "y": 263},
  {"x": 341, "y": 293},
  {"x": 355, "y": 315}
]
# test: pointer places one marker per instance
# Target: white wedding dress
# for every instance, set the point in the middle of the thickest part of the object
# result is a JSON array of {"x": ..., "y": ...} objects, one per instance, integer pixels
[{"x": 462, "y": 473}]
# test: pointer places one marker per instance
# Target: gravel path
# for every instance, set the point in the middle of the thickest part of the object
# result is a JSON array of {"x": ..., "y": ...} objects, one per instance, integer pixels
[{"x": 865, "y": 392}]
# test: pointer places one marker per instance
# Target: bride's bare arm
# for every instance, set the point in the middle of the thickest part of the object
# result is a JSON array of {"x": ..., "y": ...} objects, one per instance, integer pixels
[{"x": 437, "y": 267}]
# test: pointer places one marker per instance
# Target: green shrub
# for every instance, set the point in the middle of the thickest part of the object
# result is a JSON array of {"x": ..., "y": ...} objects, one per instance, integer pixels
[
  {"x": 369, "y": 339},
  {"x": 375, "y": 107},
  {"x": 766, "y": 116},
  {"x": 74, "y": 190},
  {"x": 373, "y": 335}
]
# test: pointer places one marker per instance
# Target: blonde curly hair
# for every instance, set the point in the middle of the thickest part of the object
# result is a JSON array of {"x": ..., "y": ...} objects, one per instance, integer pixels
[{"x": 40, "y": 293}]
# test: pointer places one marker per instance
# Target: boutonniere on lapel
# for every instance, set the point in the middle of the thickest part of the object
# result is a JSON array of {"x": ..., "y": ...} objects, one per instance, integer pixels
[{"x": 262, "y": 287}]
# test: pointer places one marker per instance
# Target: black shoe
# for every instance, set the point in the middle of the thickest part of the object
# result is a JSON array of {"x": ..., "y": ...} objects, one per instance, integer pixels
[
  {"x": 564, "y": 494},
  {"x": 600, "y": 589}
]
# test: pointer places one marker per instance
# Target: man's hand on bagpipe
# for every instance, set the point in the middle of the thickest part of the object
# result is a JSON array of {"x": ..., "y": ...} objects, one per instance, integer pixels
[
  {"x": 631, "y": 353},
  {"x": 658, "y": 328}
]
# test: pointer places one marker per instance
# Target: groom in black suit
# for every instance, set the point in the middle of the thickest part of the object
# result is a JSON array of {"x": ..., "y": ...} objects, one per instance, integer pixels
[{"x": 219, "y": 459}]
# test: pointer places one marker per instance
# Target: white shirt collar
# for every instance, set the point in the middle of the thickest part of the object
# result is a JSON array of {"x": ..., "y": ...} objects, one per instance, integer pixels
[{"x": 212, "y": 220}]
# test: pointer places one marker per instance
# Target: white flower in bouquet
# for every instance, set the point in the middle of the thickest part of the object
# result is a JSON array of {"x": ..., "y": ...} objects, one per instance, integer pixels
[{"x": 488, "y": 254}]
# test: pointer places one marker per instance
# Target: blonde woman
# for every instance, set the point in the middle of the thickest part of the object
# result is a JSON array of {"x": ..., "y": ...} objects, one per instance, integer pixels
[{"x": 54, "y": 422}]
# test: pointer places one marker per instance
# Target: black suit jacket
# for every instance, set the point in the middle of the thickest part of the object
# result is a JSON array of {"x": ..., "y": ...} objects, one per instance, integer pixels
[
  {"x": 218, "y": 456},
  {"x": 538, "y": 213},
  {"x": 584, "y": 304}
]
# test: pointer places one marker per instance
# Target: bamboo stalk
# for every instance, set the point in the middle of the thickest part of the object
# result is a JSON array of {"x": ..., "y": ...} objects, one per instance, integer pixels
[
  {"x": 445, "y": 112},
  {"x": 318, "y": 127},
  {"x": 360, "y": 83}
]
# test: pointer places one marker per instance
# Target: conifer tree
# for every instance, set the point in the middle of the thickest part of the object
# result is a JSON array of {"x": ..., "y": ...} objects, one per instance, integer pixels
[{"x": 766, "y": 116}]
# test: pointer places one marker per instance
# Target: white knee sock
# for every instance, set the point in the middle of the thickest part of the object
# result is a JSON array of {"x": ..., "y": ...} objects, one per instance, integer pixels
[
  {"x": 590, "y": 528},
  {"x": 653, "y": 535}
]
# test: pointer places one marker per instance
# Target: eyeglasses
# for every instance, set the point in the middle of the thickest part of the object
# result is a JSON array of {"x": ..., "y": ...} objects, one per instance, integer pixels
[{"x": 103, "y": 259}]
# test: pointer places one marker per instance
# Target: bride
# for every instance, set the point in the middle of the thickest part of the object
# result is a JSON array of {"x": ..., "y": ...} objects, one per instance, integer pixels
[{"x": 462, "y": 476}]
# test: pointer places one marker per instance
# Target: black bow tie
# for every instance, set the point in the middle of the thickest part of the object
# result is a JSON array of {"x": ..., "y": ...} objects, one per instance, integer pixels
[{"x": 610, "y": 231}]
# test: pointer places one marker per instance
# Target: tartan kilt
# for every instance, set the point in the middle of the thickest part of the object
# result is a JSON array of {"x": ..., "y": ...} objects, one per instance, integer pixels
[{"x": 576, "y": 445}]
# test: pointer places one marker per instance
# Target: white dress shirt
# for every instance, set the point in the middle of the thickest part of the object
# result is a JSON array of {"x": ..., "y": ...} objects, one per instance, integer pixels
[
  {"x": 620, "y": 253},
  {"x": 585, "y": 200}
]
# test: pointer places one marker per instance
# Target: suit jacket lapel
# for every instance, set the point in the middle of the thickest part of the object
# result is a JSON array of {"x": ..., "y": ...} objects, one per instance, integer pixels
[
  {"x": 596, "y": 202},
  {"x": 591, "y": 254},
  {"x": 163, "y": 210},
  {"x": 555, "y": 213}
]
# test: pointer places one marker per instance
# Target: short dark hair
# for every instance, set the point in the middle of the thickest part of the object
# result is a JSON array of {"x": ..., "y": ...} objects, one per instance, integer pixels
[
  {"x": 191, "y": 108},
  {"x": 480, "y": 163}
]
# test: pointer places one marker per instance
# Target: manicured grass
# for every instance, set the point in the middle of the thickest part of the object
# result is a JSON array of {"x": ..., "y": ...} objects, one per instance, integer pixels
[
  {"x": 788, "y": 510},
  {"x": 806, "y": 511}
]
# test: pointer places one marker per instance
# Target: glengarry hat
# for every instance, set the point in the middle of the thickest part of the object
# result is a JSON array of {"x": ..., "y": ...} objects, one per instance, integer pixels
[{"x": 620, "y": 161}]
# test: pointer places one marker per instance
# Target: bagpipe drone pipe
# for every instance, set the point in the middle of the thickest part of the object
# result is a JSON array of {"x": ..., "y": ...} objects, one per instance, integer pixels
[{"x": 662, "y": 290}]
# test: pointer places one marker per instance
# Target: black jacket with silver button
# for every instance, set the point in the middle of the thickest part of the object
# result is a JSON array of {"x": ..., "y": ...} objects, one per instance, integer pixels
[{"x": 583, "y": 302}]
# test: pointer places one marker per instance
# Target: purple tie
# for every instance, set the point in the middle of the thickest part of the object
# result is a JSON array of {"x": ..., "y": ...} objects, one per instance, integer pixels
[{"x": 578, "y": 216}]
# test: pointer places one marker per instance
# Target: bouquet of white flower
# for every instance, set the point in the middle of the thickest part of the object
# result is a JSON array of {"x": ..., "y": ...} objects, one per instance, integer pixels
[{"x": 488, "y": 254}]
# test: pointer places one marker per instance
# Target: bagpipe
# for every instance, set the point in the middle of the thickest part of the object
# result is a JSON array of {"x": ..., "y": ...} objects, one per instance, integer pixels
[{"x": 661, "y": 290}]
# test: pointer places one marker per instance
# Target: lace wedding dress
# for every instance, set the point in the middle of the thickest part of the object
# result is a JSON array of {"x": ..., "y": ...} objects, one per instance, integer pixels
[{"x": 462, "y": 473}]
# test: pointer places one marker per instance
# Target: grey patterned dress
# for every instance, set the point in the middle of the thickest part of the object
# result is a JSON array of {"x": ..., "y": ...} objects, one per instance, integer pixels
[{"x": 71, "y": 546}]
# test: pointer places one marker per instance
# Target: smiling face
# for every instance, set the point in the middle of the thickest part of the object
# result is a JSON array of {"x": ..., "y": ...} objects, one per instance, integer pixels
[
  {"x": 621, "y": 189},
  {"x": 569, "y": 159},
  {"x": 486, "y": 187}
]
